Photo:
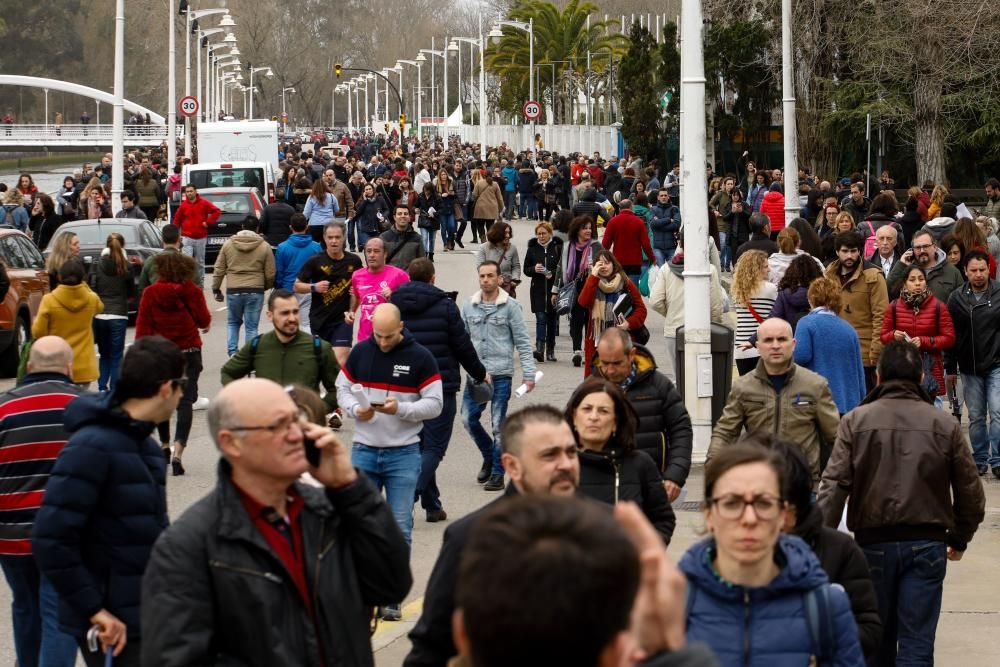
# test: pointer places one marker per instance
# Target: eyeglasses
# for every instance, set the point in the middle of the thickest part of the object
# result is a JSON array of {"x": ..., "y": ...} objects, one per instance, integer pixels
[
  {"x": 280, "y": 427},
  {"x": 923, "y": 247},
  {"x": 732, "y": 506}
]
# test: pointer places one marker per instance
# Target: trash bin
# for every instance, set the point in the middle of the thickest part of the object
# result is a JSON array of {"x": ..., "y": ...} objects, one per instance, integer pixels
[{"x": 723, "y": 339}]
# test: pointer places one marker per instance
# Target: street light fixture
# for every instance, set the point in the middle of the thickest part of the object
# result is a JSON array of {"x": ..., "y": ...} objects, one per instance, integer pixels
[
  {"x": 443, "y": 55},
  {"x": 496, "y": 34},
  {"x": 267, "y": 72},
  {"x": 480, "y": 43},
  {"x": 417, "y": 62},
  {"x": 191, "y": 16}
]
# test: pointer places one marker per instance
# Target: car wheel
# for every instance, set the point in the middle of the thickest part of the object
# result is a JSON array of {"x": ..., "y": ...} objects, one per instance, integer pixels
[{"x": 11, "y": 357}]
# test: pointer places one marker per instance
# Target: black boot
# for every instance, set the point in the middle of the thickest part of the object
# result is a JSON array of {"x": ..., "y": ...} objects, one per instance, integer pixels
[
  {"x": 539, "y": 352},
  {"x": 430, "y": 256},
  {"x": 460, "y": 233},
  {"x": 550, "y": 354}
]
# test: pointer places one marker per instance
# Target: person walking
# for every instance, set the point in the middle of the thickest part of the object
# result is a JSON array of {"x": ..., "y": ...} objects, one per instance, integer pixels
[
  {"x": 105, "y": 503},
  {"x": 290, "y": 257},
  {"x": 753, "y": 297},
  {"x": 193, "y": 216},
  {"x": 174, "y": 307},
  {"x": 612, "y": 301},
  {"x": 541, "y": 265},
  {"x": 111, "y": 279},
  {"x": 627, "y": 237},
  {"x": 276, "y": 223},
  {"x": 579, "y": 252},
  {"x": 402, "y": 244},
  {"x": 500, "y": 248},
  {"x": 246, "y": 263},
  {"x": 320, "y": 208},
  {"x": 666, "y": 225},
  {"x": 428, "y": 204},
  {"x": 31, "y": 436},
  {"x": 372, "y": 286},
  {"x": 910, "y": 521},
  {"x": 488, "y": 204},
  {"x": 68, "y": 312}
]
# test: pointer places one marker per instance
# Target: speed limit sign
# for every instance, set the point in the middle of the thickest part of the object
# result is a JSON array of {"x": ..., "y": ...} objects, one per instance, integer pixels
[
  {"x": 532, "y": 110},
  {"x": 188, "y": 106}
]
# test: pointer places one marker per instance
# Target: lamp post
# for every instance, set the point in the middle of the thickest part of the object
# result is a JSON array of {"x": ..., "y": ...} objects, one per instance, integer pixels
[
  {"x": 211, "y": 66},
  {"x": 118, "y": 143},
  {"x": 496, "y": 34},
  {"x": 284, "y": 125},
  {"x": 419, "y": 101},
  {"x": 267, "y": 72},
  {"x": 443, "y": 56},
  {"x": 192, "y": 15},
  {"x": 172, "y": 93},
  {"x": 453, "y": 47},
  {"x": 788, "y": 132},
  {"x": 203, "y": 36},
  {"x": 222, "y": 65},
  {"x": 385, "y": 73}
]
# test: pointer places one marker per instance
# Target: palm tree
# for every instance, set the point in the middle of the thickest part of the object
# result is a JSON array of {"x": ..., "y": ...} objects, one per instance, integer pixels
[{"x": 562, "y": 41}]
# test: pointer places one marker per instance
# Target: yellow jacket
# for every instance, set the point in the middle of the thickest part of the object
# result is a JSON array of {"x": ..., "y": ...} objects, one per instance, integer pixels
[{"x": 68, "y": 312}]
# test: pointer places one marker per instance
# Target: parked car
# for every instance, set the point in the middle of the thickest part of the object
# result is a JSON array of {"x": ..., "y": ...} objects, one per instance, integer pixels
[
  {"x": 142, "y": 241},
  {"x": 29, "y": 281},
  {"x": 236, "y": 204}
]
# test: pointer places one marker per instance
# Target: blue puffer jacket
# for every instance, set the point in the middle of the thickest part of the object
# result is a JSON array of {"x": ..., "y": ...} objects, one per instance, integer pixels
[
  {"x": 510, "y": 173},
  {"x": 765, "y": 627},
  {"x": 433, "y": 317},
  {"x": 292, "y": 254},
  {"x": 665, "y": 223},
  {"x": 105, "y": 504}
]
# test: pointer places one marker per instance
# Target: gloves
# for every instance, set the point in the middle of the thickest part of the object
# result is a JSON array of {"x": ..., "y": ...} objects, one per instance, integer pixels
[{"x": 218, "y": 295}]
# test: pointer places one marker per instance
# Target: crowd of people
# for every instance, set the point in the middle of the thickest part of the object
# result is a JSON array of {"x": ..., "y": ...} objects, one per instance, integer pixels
[{"x": 845, "y": 346}]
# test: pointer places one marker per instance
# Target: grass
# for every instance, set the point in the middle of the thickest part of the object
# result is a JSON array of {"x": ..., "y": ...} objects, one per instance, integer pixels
[{"x": 27, "y": 163}]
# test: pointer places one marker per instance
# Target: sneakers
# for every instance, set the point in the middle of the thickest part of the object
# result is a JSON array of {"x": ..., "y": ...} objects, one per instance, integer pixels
[
  {"x": 577, "y": 358},
  {"x": 433, "y": 516},
  {"x": 201, "y": 403},
  {"x": 495, "y": 483},
  {"x": 336, "y": 419},
  {"x": 484, "y": 472},
  {"x": 390, "y": 612}
]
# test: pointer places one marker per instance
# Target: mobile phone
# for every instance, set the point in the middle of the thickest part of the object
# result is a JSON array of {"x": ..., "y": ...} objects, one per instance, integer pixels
[
  {"x": 312, "y": 451},
  {"x": 377, "y": 405}
]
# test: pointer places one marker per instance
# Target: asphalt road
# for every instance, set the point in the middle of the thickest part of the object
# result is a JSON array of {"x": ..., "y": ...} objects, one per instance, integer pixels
[{"x": 969, "y": 633}]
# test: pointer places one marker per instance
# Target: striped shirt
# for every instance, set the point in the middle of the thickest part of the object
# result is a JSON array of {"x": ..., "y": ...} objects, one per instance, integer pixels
[
  {"x": 31, "y": 437},
  {"x": 746, "y": 324}
]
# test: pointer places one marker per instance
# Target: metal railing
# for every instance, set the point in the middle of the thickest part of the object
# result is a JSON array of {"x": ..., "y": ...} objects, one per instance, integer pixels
[{"x": 69, "y": 134}]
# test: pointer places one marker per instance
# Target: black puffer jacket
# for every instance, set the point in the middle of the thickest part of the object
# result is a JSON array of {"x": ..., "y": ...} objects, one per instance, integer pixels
[
  {"x": 222, "y": 597},
  {"x": 115, "y": 290},
  {"x": 434, "y": 320},
  {"x": 610, "y": 477},
  {"x": 541, "y": 287},
  {"x": 664, "y": 424},
  {"x": 846, "y": 565}
]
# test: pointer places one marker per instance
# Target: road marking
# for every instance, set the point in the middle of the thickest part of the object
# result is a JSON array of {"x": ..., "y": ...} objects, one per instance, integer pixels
[{"x": 410, "y": 613}]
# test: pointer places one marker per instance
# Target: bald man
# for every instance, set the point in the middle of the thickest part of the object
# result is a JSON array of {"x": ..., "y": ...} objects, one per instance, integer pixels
[
  {"x": 780, "y": 397},
  {"x": 390, "y": 385},
  {"x": 313, "y": 562},
  {"x": 31, "y": 436},
  {"x": 372, "y": 286}
]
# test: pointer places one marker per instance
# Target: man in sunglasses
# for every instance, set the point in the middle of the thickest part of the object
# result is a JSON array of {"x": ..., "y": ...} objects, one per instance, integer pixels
[
  {"x": 105, "y": 501},
  {"x": 266, "y": 569}
]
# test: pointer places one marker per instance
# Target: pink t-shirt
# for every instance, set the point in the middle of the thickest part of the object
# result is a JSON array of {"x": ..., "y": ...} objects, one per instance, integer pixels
[{"x": 367, "y": 287}]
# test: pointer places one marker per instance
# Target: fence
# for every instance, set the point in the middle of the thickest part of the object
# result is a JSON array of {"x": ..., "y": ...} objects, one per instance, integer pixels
[
  {"x": 562, "y": 139},
  {"x": 55, "y": 135}
]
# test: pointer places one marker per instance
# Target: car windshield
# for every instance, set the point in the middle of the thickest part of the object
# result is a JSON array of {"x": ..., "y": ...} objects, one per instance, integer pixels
[
  {"x": 235, "y": 202},
  {"x": 227, "y": 178},
  {"x": 98, "y": 234}
]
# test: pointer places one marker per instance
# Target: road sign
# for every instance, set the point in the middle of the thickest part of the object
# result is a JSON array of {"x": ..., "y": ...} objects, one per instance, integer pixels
[
  {"x": 284, "y": 117},
  {"x": 188, "y": 106},
  {"x": 532, "y": 110}
]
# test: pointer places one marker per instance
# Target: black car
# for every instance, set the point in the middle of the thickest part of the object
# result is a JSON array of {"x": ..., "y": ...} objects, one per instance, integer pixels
[
  {"x": 236, "y": 204},
  {"x": 142, "y": 240}
]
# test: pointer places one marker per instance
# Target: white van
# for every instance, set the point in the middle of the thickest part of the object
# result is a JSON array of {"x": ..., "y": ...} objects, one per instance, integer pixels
[{"x": 258, "y": 175}]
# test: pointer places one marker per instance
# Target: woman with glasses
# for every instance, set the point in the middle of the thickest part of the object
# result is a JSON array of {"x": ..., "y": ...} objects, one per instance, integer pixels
[
  {"x": 174, "y": 307},
  {"x": 755, "y": 596},
  {"x": 612, "y": 470}
]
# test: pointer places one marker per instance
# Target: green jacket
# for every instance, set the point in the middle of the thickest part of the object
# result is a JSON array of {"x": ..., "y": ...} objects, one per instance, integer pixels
[
  {"x": 297, "y": 362},
  {"x": 803, "y": 412},
  {"x": 942, "y": 280},
  {"x": 148, "y": 274}
]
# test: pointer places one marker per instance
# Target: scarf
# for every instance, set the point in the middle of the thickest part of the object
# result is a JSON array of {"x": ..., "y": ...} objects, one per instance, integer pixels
[
  {"x": 913, "y": 299},
  {"x": 602, "y": 313},
  {"x": 572, "y": 266}
]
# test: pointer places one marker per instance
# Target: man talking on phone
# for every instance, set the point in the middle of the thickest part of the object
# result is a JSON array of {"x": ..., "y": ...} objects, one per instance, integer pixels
[{"x": 943, "y": 277}]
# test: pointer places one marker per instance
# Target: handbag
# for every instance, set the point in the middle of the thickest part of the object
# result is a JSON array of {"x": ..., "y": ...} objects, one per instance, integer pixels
[
  {"x": 565, "y": 298},
  {"x": 640, "y": 335}
]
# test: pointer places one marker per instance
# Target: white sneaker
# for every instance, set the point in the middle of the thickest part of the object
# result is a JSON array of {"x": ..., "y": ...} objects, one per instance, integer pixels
[{"x": 200, "y": 404}]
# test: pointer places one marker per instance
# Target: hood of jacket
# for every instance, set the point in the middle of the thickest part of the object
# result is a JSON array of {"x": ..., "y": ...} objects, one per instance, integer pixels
[
  {"x": 104, "y": 410},
  {"x": 299, "y": 240},
  {"x": 246, "y": 240},
  {"x": 797, "y": 298},
  {"x": 800, "y": 569},
  {"x": 644, "y": 363},
  {"x": 676, "y": 264},
  {"x": 941, "y": 223},
  {"x": 73, "y": 298},
  {"x": 415, "y": 298},
  {"x": 782, "y": 260},
  {"x": 590, "y": 194},
  {"x": 501, "y": 299},
  {"x": 773, "y": 196}
]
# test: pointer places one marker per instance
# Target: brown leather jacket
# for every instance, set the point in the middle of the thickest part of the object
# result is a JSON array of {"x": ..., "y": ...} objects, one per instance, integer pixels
[{"x": 901, "y": 460}]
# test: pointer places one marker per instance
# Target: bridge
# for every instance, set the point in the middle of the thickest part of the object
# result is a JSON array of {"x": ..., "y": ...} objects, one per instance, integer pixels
[{"x": 78, "y": 138}]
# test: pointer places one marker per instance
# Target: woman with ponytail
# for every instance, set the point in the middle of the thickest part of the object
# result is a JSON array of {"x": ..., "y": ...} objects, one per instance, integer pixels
[{"x": 111, "y": 278}]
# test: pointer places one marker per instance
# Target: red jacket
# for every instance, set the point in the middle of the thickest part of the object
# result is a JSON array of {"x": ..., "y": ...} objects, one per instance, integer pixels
[
  {"x": 194, "y": 217},
  {"x": 627, "y": 237},
  {"x": 774, "y": 206},
  {"x": 575, "y": 172},
  {"x": 588, "y": 294},
  {"x": 596, "y": 175},
  {"x": 932, "y": 325},
  {"x": 175, "y": 311}
]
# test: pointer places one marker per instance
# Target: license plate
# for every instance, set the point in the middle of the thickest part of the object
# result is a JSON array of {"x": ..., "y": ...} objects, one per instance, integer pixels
[{"x": 216, "y": 240}]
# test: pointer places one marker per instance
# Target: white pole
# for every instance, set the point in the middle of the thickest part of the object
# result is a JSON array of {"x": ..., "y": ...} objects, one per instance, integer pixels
[
  {"x": 367, "y": 117},
  {"x": 197, "y": 88},
  {"x": 791, "y": 166},
  {"x": 187, "y": 80},
  {"x": 251, "y": 94},
  {"x": 433, "y": 82},
  {"x": 118, "y": 142},
  {"x": 172, "y": 94},
  {"x": 531, "y": 70},
  {"x": 447, "y": 111},
  {"x": 47, "y": 113},
  {"x": 420, "y": 102},
  {"x": 694, "y": 213},
  {"x": 387, "y": 96},
  {"x": 482, "y": 91}
]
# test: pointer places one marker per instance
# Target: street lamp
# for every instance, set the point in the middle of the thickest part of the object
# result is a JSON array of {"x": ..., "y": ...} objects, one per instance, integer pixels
[
  {"x": 419, "y": 105},
  {"x": 478, "y": 42},
  {"x": 496, "y": 34},
  {"x": 193, "y": 15},
  {"x": 211, "y": 91},
  {"x": 443, "y": 55},
  {"x": 267, "y": 72},
  {"x": 284, "y": 123},
  {"x": 203, "y": 36}
]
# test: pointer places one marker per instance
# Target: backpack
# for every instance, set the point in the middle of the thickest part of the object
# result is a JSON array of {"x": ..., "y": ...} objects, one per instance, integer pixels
[
  {"x": 317, "y": 350},
  {"x": 870, "y": 244},
  {"x": 819, "y": 620}
]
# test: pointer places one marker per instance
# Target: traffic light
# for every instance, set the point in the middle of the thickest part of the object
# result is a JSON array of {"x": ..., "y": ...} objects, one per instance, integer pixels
[
  {"x": 337, "y": 69},
  {"x": 387, "y": 128},
  {"x": 273, "y": 117},
  {"x": 402, "y": 119}
]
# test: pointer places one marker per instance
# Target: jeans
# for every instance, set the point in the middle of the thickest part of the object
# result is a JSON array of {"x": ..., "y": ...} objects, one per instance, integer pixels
[
  {"x": 529, "y": 206},
  {"x": 130, "y": 657},
  {"x": 110, "y": 338},
  {"x": 662, "y": 257},
  {"x": 546, "y": 328},
  {"x": 195, "y": 248},
  {"x": 488, "y": 446},
  {"x": 363, "y": 238},
  {"x": 434, "y": 438},
  {"x": 396, "y": 470},
  {"x": 192, "y": 369},
  {"x": 428, "y": 235},
  {"x": 508, "y": 204},
  {"x": 724, "y": 260},
  {"x": 982, "y": 398},
  {"x": 38, "y": 641},
  {"x": 352, "y": 235},
  {"x": 908, "y": 579},
  {"x": 447, "y": 221},
  {"x": 244, "y": 309}
]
